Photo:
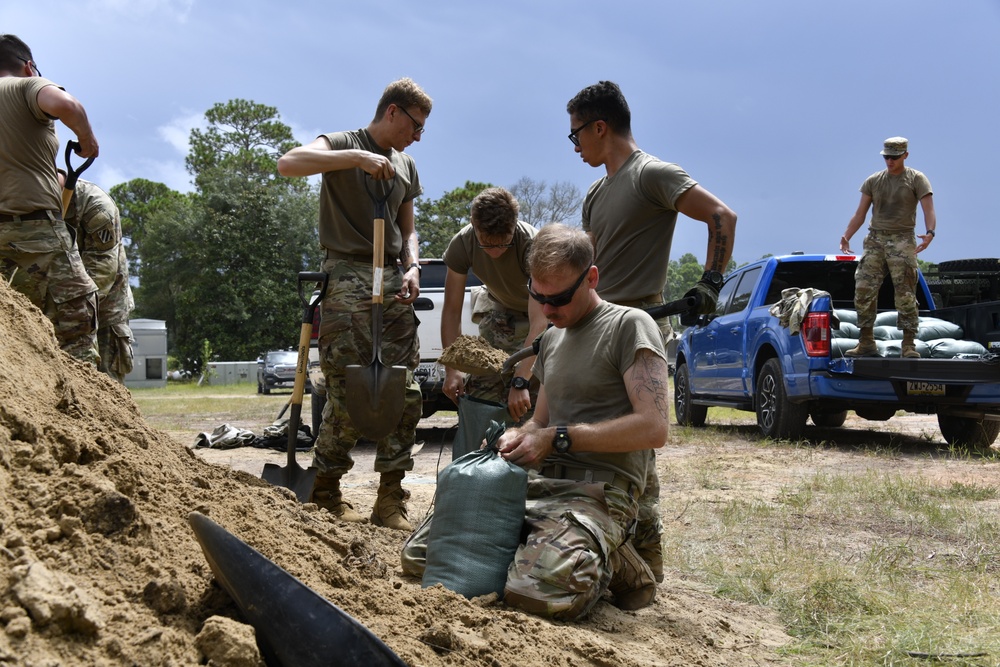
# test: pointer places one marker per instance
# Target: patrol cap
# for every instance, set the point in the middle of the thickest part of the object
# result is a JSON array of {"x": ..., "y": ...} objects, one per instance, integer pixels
[{"x": 894, "y": 146}]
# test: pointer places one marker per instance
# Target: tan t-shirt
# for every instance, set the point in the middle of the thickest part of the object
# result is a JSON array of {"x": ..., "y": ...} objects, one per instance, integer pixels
[
  {"x": 895, "y": 198},
  {"x": 347, "y": 213},
  {"x": 28, "y": 149},
  {"x": 631, "y": 217},
  {"x": 506, "y": 277},
  {"x": 582, "y": 369}
]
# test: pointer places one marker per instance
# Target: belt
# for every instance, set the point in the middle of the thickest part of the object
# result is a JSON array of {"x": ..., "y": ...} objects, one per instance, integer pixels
[
  {"x": 559, "y": 471},
  {"x": 358, "y": 259},
  {"x": 644, "y": 302},
  {"x": 34, "y": 215}
]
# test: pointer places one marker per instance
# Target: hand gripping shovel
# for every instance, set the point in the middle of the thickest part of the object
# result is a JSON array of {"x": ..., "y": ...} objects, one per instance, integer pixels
[
  {"x": 292, "y": 476},
  {"x": 295, "y": 626},
  {"x": 375, "y": 393},
  {"x": 72, "y": 176}
]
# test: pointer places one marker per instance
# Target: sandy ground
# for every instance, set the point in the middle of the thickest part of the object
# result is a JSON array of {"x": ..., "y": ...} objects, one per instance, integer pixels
[{"x": 99, "y": 564}]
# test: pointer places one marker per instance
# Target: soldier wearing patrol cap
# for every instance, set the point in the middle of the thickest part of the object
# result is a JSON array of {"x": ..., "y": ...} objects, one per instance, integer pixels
[{"x": 892, "y": 194}]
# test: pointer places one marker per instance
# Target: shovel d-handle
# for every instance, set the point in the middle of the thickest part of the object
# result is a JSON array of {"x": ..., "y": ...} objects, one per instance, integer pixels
[
  {"x": 310, "y": 303},
  {"x": 72, "y": 175}
]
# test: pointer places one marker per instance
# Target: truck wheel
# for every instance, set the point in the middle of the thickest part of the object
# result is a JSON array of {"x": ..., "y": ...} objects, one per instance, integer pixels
[
  {"x": 266, "y": 388},
  {"x": 687, "y": 413},
  {"x": 317, "y": 401},
  {"x": 973, "y": 434},
  {"x": 829, "y": 419},
  {"x": 260, "y": 389},
  {"x": 777, "y": 418}
]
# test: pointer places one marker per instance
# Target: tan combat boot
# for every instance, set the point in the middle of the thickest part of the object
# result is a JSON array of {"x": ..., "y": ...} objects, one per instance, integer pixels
[
  {"x": 866, "y": 346},
  {"x": 326, "y": 494},
  {"x": 909, "y": 347},
  {"x": 632, "y": 583},
  {"x": 390, "y": 506}
]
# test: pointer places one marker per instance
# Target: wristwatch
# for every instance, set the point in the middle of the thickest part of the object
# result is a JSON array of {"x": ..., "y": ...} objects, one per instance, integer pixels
[
  {"x": 420, "y": 270},
  {"x": 561, "y": 443},
  {"x": 519, "y": 382},
  {"x": 930, "y": 232},
  {"x": 713, "y": 278}
]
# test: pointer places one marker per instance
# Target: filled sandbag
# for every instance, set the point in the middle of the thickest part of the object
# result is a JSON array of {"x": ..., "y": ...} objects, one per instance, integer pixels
[
  {"x": 892, "y": 349},
  {"x": 947, "y": 348},
  {"x": 933, "y": 328},
  {"x": 846, "y": 330},
  {"x": 845, "y": 315},
  {"x": 479, "y": 510},
  {"x": 887, "y": 332},
  {"x": 886, "y": 319}
]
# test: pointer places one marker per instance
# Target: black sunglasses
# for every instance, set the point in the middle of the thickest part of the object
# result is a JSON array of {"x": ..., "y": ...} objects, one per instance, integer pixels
[
  {"x": 572, "y": 135},
  {"x": 33, "y": 65},
  {"x": 417, "y": 127},
  {"x": 561, "y": 299},
  {"x": 892, "y": 157}
]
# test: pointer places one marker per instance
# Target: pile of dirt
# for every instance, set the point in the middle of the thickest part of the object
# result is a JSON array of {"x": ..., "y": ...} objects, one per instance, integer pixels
[
  {"x": 99, "y": 566},
  {"x": 473, "y": 354}
]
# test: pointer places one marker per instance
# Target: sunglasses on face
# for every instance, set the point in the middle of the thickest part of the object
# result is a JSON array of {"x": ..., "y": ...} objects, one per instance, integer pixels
[
  {"x": 561, "y": 299},
  {"x": 892, "y": 158}
]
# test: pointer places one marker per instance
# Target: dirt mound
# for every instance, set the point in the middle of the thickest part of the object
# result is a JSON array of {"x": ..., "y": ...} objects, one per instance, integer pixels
[{"x": 98, "y": 565}]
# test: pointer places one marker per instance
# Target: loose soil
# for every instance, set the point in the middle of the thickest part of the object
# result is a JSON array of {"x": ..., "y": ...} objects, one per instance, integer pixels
[
  {"x": 98, "y": 565},
  {"x": 473, "y": 354}
]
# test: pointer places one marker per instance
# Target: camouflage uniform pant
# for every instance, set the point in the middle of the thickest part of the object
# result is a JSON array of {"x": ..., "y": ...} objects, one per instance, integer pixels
[
  {"x": 109, "y": 270},
  {"x": 39, "y": 259},
  {"x": 345, "y": 338},
  {"x": 895, "y": 252},
  {"x": 505, "y": 330},
  {"x": 564, "y": 566},
  {"x": 649, "y": 527}
]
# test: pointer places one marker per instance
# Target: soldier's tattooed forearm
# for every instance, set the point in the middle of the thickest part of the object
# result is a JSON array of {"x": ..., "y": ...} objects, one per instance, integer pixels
[{"x": 717, "y": 262}]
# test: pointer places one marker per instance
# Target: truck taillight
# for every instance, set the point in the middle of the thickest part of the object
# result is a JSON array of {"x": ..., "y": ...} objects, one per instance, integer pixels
[{"x": 816, "y": 334}]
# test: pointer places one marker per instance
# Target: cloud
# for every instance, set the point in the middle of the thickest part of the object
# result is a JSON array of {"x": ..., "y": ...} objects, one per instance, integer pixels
[{"x": 177, "y": 131}]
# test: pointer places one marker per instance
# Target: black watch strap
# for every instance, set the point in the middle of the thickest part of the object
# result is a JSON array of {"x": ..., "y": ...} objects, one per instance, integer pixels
[{"x": 519, "y": 382}]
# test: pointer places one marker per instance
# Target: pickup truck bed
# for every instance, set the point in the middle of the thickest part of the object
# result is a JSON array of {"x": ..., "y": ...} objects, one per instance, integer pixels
[{"x": 742, "y": 357}]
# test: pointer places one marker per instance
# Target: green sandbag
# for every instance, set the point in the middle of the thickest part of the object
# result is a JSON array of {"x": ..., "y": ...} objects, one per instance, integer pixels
[
  {"x": 887, "y": 332},
  {"x": 933, "y": 328},
  {"x": 479, "y": 510},
  {"x": 845, "y": 315},
  {"x": 947, "y": 348},
  {"x": 474, "y": 417},
  {"x": 887, "y": 319}
]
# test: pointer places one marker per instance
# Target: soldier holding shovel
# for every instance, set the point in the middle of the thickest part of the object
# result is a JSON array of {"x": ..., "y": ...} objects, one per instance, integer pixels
[
  {"x": 37, "y": 254},
  {"x": 346, "y": 160}
]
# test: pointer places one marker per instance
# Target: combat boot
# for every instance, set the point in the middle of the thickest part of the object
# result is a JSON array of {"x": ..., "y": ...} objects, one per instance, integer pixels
[
  {"x": 866, "y": 346},
  {"x": 909, "y": 347},
  {"x": 390, "y": 505},
  {"x": 632, "y": 582},
  {"x": 326, "y": 494}
]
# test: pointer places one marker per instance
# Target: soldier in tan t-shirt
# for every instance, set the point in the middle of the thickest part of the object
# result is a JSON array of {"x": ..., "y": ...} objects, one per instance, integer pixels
[
  {"x": 630, "y": 215},
  {"x": 37, "y": 254}
]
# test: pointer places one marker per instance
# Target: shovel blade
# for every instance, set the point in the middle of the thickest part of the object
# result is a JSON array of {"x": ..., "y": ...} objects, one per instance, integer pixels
[
  {"x": 375, "y": 398},
  {"x": 294, "y": 624},
  {"x": 291, "y": 477}
]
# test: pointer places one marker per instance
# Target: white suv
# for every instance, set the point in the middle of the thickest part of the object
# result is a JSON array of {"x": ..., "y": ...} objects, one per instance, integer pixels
[{"x": 429, "y": 373}]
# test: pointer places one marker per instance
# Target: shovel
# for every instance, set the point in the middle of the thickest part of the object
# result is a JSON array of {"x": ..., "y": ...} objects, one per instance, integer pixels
[
  {"x": 375, "y": 393},
  {"x": 292, "y": 476},
  {"x": 295, "y": 626},
  {"x": 72, "y": 176}
]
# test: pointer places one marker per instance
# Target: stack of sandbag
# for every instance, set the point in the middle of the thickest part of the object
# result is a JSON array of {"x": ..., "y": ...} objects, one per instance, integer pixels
[{"x": 935, "y": 338}]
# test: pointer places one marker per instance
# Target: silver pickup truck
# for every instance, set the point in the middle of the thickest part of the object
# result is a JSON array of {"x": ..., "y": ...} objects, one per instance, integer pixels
[{"x": 429, "y": 373}]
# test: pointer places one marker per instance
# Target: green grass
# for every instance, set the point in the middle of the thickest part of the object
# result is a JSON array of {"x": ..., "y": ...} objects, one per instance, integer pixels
[{"x": 863, "y": 567}]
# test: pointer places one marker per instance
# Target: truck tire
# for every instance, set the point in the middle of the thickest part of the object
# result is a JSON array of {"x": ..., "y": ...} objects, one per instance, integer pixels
[
  {"x": 829, "y": 419},
  {"x": 777, "y": 418},
  {"x": 266, "y": 388},
  {"x": 686, "y": 412},
  {"x": 972, "y": 434}
]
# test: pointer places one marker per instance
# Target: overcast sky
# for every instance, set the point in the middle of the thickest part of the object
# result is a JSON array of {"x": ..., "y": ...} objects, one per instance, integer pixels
[{"x": 779, "y": 107}]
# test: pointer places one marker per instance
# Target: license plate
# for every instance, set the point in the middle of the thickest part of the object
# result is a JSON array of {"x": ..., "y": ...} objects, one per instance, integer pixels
[{"x": 924, "y": 388}]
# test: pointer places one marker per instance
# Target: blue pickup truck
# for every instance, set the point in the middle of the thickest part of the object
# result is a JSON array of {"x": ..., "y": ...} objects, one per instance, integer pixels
[{"x": 743, "y": 357}]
